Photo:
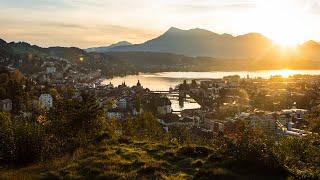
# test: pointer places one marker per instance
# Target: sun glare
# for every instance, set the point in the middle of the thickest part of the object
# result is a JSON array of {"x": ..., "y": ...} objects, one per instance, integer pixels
[
  {"x": 285, "y": 73},
  {"x": 283, "y": 21}
]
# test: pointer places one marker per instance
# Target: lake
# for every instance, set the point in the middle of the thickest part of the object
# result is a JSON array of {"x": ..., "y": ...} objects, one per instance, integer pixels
[{"x": 164, "y": 80}]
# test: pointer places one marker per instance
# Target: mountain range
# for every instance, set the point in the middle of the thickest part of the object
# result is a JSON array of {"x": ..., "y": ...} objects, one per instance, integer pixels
[
  {"x": 214, "y": 52},
  {"x": 108, "y": 48},
  {"x": 183, "y": 48},
  {"x": 204, "y": 43}
]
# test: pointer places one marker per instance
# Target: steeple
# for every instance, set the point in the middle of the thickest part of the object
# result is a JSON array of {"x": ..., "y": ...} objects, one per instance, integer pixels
[{"x": 139, "y": 84}]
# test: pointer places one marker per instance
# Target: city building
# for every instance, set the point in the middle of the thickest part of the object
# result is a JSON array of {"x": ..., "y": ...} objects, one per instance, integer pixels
[
  {"x": 114, "y": 113},
  {"x": 164, "y": 106},
  {"x": 122, "y": 103},
  {"x": 46, "y": 101},
  {"x": 51, "y": 70},
  {"x": 6, "y": 105}
]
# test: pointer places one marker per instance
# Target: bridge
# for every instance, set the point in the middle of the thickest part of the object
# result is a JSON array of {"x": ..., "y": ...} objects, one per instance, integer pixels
[{"x": 165, "y": 92}]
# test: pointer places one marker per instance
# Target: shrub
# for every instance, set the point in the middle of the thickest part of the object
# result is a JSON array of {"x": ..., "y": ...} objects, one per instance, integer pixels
[
  {"x": 6, "y": 138},
  {"x": 300, "y": 155},
  {"x": 28, "y": 141},
  {"x": 144, "y": 126},
  {"x": 75, "y": 123},
  {"x": 20, "y": 141}
]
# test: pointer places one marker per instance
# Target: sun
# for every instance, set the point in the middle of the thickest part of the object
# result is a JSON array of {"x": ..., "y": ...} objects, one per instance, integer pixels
[
  {"x": 285, "y": 73},
  {"x": 283, "y": 21}
]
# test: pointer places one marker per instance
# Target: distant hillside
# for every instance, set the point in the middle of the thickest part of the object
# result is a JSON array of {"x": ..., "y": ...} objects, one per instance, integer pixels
[
  {"x": 310, "y": 50},
  {"x": 5, "y": 49},
  {"x": 203, "y": 43},
  {"x": 247, "y": 52},
  {"x": 107, "y": 48},
  {"x": 199, "y": 42},
  {"x": 22, "y": 49}
]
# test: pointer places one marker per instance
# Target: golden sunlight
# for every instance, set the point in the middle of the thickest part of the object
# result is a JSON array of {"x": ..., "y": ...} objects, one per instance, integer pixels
[
  {"x": 285, "y": 73},
  {"x": 282, "y": 21}
]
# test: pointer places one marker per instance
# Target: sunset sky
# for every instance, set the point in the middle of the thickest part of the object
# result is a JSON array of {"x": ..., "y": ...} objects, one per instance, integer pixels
[{"x": 87, "y": 23}]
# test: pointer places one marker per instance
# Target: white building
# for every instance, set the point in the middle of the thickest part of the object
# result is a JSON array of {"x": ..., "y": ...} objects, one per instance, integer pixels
[
  {"x": 51, "y": 70},
  {"x": 46, "y": 101},
  {"x": 122, "y": 103},
  {"x": 163, "y": 106},
  {"x": 114, "y": 114},
  {"x": 6, "y": 105}
]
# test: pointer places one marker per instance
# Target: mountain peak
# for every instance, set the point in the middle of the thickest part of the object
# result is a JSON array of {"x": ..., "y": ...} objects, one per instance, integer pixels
[
  {"x": 121, "y": 43},
  {"x": 107, "y": 48},
  {"x": 311, "y": 43},
  {"x": 2, "y": 41},
  {"x": 174, "y": 29},
  {"x": 253, "y": 36}
]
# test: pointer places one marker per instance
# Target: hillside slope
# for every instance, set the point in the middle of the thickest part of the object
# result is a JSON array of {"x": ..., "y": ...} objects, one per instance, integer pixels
[{"x": 146, "y": 160}]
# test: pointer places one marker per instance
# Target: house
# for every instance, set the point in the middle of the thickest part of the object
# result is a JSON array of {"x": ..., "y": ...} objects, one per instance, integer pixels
[
  {"x": 164, "y": 106},
  {"x": 109, "y": 86},
  {"x": 297, "y": 113},
  {"x": 114, "y": 113},
  {"x": 51, "y": 70},
  {"x": 122, "y": 103},
  {"x": 232, "y": 81},
  {"x": 263, "y": 120},
  {"x": 6, "y": 105},
  {"x": 46, "y": 101}
]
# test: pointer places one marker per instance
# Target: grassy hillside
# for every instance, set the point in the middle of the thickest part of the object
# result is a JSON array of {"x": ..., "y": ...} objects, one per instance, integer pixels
[{"x": 125, "y": 159}]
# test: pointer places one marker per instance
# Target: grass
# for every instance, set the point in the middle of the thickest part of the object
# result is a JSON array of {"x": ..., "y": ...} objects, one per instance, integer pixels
[{"x": 140, "y": 160}]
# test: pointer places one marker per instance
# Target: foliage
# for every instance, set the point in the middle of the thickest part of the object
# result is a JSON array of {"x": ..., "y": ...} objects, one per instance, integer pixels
[
  {"x": 145, "y": 125},
  {"x": 151, "y": 160},
  {"x": 300, "y": 155},
  {"x": 6, "y": 138},
  {"x": 21, "y": 141},
  {"x": 74, "y": 123}
]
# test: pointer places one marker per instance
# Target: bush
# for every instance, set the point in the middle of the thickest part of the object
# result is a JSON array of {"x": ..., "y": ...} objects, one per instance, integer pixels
[
  {"x": 20, "y": 141},
  {"x": 300, "y": 155},
  {"x": 28, "y": 141},
  {"x": 6, "y": 138},
  {"x": 74, "y": 124},
  {"x": 144, "y": 126}
]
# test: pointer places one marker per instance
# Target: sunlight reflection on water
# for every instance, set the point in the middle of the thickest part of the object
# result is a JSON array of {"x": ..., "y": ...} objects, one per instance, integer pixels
[{"x": 163, "y": 81}]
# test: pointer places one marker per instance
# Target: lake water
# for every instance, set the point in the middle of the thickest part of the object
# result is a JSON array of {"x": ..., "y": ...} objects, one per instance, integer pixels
[{"x": 163, "y": 81}]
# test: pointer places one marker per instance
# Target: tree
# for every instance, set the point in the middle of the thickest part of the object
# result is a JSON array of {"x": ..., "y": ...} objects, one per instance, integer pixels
[
  {"x": 143, "y": 126},
  {"x": 300, "y": 155},
  {"x": 75, "y": 123},
  {"x": 194, "y": 83},
  {"x": 91, "y": 116},
  {"x": 17, "y": 76},
  {"x": 4, "y": 78},
  {"x": 53, "y": 92},
  {"x": 138, "y": 103},
  {"x": 6, "y": 138},
  {"x": 3, "y": 93}
]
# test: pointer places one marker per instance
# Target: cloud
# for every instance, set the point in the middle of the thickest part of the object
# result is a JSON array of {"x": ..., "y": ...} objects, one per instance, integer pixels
[
  {"x": 62, "y": 25},
  {"x": 88, "y": 23},
  {"x": 63, "y": 34},
  {"x": 314, "y": 6},
  {"x": 34, "y": 4},
  {"x": 213, "y": 5}
]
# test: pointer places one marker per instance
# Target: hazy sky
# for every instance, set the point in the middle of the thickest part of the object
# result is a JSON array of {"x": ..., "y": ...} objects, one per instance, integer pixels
[{"x": 86, "y": 23}]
